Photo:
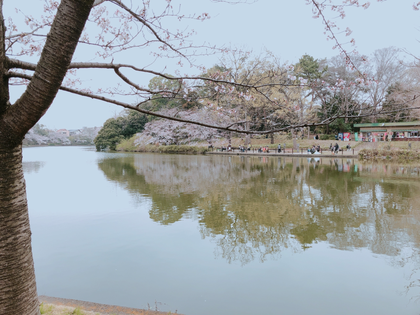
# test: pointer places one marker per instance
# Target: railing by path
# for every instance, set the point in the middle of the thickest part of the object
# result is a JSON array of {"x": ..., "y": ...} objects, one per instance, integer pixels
[{"x": 301, "y": 151}]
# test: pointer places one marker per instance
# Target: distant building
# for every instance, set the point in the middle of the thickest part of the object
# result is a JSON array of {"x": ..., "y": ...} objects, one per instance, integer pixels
[
  {"x": 397, "y": 131},
  {"x": 63, "y": 132},
  {"x": 74, "y": 132}
]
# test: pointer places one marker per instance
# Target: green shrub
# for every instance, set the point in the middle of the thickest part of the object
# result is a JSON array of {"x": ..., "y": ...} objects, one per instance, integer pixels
[
  {"x": 185, "y": 149},
  {"x": 327, "y": 137},
  {"x": 45, "y": 309},
  {"x": 398, "y": 155},
  {"x": 117, "y": 129},
  {"x": 127, "y": 145}
]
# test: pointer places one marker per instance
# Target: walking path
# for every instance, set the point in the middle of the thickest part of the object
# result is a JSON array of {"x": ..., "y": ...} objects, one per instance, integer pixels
[
  {"x": 101, "y": 309},
  {"x": 289, "y": 153}
]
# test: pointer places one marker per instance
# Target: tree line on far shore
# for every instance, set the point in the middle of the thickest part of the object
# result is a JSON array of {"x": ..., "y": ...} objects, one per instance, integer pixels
[
  {"x": 326, "y": 94},
  {"x": 41, "y": 135}
]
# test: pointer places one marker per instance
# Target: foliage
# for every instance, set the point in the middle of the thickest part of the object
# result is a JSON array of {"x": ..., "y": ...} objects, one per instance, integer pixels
[
  {"x": 127, "y": 145},
  {"x": 68, "y": 24},
  {"x": 132, "y": 123},
  {"x": 45, "y": 309},
  {"x": 45, "y": 136},
  {"x": 331, "y": 108},
  {"x": 174, "y": 132},
  {"x": 401, "y": 155},
  {"x": 40, "y": 135},
  {"x": 117, "y": 129},
  {"x": 399, "y": 100},
  {"x": 77, "y": 311},
  {"x": 51, "y": 309},
  {"x": 339, "y": 125},
  {"x": 167, "y": 94},
  {"x": 186, "y": 149},
  {"x": 109, "y": 135},
  {"x": 84, "y": 136},
  {"x": 327, "y": 137},
  {"x": 310, "y": 68},
  {"x": 40, "y": 129}
]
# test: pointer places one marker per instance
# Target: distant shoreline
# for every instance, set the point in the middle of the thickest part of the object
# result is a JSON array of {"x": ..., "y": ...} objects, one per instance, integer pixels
[{"x": 56, "y": 145}]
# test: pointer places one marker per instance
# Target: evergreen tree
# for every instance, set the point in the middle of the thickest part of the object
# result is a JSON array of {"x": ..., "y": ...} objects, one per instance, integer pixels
[{"x": 117, "y": 129}]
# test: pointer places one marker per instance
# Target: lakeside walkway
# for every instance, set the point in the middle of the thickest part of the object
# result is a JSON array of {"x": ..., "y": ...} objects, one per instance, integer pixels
[{"x": 353, "y": 154}]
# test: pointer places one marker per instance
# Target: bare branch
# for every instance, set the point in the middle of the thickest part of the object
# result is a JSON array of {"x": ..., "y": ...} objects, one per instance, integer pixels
[
  {"x": 126, "y": 80},
  {"x": 332, "y": 34},
  {"x": 19, "y": 64},
  {"x": 144, "y": 22},
  {"x": 20, "y": 35},
  {"x": 147, "y": 112}
]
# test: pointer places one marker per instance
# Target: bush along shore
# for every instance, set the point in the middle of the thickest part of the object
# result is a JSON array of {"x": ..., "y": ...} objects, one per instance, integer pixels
[
  {"x": 129, "y": 146},
  {"x": 387, "y": 154}
]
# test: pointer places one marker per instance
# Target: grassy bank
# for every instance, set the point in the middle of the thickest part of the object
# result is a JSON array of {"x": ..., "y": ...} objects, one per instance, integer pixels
[
  {"x": 50, "y": 309},
  {"x": 388, "y": 153},
  {"x": 129, "y": 146},
  {"x": 59, "y": 309},
  {"x": 201, "y": 147}
]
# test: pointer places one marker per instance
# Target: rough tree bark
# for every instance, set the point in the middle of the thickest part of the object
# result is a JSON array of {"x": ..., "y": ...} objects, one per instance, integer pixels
[
  {"x": 17, "y": 277},
  {"x": 18, "y": 293}
]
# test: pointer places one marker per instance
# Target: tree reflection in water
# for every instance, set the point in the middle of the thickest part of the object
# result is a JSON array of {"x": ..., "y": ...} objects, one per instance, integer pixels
[
  {"x": 32, "y": 167},
  {"x": 255, "y": 207}
]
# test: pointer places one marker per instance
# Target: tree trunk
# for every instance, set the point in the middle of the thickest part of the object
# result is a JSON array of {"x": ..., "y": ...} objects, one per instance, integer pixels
[
  {"x": 247, "y": 137},
  {"x": 18, "y": 293},
  {"x": 294, "y": 140}
]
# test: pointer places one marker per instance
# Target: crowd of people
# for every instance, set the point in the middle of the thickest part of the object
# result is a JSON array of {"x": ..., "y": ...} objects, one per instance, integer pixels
[
  {"x": 263, "y": 150},
  {"x": 336, "y": 148},
  {"x": 316, "y": 149}
]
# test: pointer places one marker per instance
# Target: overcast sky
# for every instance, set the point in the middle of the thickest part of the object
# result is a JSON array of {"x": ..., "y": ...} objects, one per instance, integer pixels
[{"x": 284, "y": 27}]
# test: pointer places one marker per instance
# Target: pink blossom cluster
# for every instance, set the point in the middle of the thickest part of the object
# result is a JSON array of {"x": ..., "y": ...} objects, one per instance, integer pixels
[{"x": 169, "y": 132}]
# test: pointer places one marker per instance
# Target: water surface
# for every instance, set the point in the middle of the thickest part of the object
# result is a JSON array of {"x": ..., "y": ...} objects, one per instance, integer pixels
[{"x": 225, "y": 235}]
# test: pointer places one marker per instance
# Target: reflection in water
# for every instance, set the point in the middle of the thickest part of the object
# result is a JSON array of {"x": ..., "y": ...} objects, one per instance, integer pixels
[
  {"x": 32, "y": 167},
  {"x": 255, "y": 207}
]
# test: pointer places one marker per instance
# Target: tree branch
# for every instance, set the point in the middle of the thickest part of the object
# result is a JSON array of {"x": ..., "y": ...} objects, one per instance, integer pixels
[
  {"x": 147, "y": 112},
  {"x": 4, "y": 81},
  {"x": 329, "y": 29},
  {"x": 52, "y": 67},
  {"x": 14, "y": 63},
  {"x": 143, "y": 21}
]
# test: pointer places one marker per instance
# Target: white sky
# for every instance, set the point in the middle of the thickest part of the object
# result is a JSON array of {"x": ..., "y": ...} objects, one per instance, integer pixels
[{"x": 285, "y": 27}]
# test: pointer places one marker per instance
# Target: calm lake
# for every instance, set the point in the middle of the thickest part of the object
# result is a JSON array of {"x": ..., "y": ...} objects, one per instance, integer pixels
[{"x": 205, "y": 235}]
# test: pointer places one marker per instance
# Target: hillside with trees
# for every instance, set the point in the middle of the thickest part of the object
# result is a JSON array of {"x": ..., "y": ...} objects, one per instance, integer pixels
[{"x": 315, "y": 96}]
